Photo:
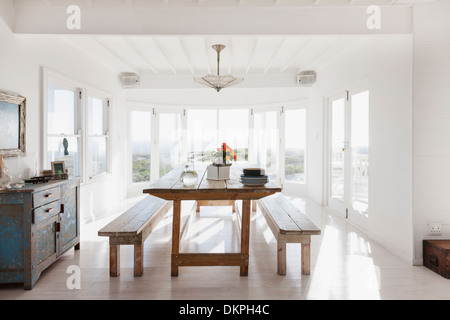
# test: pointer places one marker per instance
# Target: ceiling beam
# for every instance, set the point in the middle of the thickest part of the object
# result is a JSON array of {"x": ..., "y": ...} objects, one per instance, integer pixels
[
  {"x": 188, "y": 59},
  {"x": 207, "y": 49},
  {"x": 114, "y": 53},
  {"x": 295, "y": 55},
  {"x": 275, "y": 53},
  {"x": 133, "y": 47},
  {"x": 252, "y": 54},
  {"x": 164, "y": 54},
  {"x": 208, "y": 20},
  {"x": 186, "y": 82}
]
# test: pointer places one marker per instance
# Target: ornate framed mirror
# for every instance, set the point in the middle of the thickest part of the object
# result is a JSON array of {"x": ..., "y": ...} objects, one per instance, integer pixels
[{"x": 12, "y": 128}]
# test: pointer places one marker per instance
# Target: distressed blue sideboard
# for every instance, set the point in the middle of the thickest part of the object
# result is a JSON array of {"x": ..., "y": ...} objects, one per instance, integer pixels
[{"x": 38, "y": 223}]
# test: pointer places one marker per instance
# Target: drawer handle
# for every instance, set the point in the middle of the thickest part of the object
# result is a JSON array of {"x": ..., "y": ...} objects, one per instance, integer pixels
[
  {"x": 48, "y": 195},
  {"x": 50, "y": 210}
]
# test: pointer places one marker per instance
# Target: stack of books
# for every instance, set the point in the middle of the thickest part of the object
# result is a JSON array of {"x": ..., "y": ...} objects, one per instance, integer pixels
[{"x": 254, "y": 177}]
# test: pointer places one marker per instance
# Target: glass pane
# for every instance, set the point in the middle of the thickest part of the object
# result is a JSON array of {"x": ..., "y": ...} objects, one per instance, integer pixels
[
  {"x": 140, "y": 141},
  {"x": 170, "y": 142},
  {"x": 360, "y": 152},
  {"x": 233, "y": 130},
  {"x": 96, "y": 116},
  {"x": 337, "y": 148},
  {"x": 9, "y": 129},
  {"x": 56, "y": 152},
  {"x": 61, "y": 110},
  {"x": 97, "y": 162},
  {"x": 295, "y": 145},
  {"x": 202, "y": 134},
  {"x": 266, "y": 142}
]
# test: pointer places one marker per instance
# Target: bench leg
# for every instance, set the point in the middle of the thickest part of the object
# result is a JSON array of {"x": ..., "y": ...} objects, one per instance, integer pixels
[
  {"x": 281, "y": 257},
  {"x": 114, "y": 260},
  {"x": 306, "y": 258},
  {"x": 138, "y": 259}
]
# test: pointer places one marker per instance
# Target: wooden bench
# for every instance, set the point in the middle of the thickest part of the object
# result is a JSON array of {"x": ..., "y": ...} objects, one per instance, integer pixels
[
  {"x": 132, "y": 228},
  {"x": 288, "y": 225}
]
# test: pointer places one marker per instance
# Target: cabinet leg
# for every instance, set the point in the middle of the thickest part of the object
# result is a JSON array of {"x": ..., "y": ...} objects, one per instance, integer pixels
[{"x": 77, "y": 246}]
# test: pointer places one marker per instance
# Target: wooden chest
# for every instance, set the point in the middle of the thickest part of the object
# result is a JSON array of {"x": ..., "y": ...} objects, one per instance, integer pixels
[{"x": 436, "y": 256}]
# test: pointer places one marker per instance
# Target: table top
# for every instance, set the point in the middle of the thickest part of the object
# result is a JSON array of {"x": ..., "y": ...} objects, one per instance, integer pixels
[{"x": 170, "y": 187}]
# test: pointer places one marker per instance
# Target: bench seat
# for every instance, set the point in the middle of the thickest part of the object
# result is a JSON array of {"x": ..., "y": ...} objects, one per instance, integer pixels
[
  {"x": 132, "y": 228},
  {"x": 288, "y": 225}
]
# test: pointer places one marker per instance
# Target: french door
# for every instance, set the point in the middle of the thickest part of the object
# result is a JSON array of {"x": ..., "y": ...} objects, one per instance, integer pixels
[{"x": 348, "y": 154}]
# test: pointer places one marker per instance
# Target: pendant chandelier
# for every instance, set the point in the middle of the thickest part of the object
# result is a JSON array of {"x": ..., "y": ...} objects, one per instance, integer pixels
[{"x": 218, "y": 82}]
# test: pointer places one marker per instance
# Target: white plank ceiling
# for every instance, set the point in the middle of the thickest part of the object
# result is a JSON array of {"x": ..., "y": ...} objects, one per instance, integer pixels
[{"x": 193, "y": 55}]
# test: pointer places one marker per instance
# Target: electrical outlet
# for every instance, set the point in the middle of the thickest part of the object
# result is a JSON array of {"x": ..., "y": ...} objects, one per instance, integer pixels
[{"x": 434, "y": 228}]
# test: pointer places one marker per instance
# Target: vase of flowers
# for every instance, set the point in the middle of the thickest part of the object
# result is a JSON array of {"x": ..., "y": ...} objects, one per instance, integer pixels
[{"x": 224, "y": 155}]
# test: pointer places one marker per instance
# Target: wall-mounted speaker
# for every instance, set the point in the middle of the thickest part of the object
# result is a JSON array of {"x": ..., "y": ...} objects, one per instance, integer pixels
[
  {"x": 306, "y": 78},
  {"x": 129, "y": 80}
]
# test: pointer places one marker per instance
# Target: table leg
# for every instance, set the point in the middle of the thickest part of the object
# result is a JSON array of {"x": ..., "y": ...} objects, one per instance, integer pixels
[
  {"x": 175, "y": 235},
  {"x": 245, "y": 234}
]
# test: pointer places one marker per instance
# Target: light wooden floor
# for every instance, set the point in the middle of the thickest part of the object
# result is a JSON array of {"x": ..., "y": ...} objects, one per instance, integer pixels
[{"x": 345, "y": 265}]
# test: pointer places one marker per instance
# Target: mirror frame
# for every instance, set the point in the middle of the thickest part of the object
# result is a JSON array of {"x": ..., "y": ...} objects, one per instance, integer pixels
[{"x": 21, "y": 103}]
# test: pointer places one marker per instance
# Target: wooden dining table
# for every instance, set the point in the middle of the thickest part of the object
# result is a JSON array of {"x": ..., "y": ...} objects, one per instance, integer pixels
[{"x": 170, "y": 187}]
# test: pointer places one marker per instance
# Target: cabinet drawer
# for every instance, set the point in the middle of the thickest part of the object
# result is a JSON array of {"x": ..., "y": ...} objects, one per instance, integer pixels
[
  {"x": 47, "y": 211},
  {"x": 46, "y": 196}
]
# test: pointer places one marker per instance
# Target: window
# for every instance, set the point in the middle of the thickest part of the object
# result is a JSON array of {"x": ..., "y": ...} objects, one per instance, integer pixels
[
  {"x": 233, "y": 130},
  {"x": 202, "y": 134},
  {"x": 170, "y": 142},
  {"x": 360, "y": 151},
  {"x": 266, "y": 142},
  {"x": 140, "y": 143},
  {"x": 63, "y": 127},
  {"x": 295, "y": 145},
  {"x": 98, "y": 136},
  {"x": 82, "y": 145}
]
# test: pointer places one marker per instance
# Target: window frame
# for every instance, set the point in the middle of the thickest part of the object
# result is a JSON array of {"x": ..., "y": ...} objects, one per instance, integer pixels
[
  {"x": 136, "y": 187},
  {"x": 82, "y": 93},
  {"x": 295, "y": 187},
  {"x": 89, "y": 92}
]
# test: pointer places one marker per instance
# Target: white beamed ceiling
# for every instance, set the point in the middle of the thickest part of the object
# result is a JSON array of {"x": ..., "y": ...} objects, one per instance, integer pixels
[
  {"x": 168, "y": 54},
  {"x": 193, "y": 55}
]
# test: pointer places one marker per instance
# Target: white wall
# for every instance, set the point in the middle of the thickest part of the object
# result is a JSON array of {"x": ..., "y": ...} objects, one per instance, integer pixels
[
  {"x": 386, "y": 64},
  {"x": 21, "y": 60},
  {"x": 431, "y": 178}
]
